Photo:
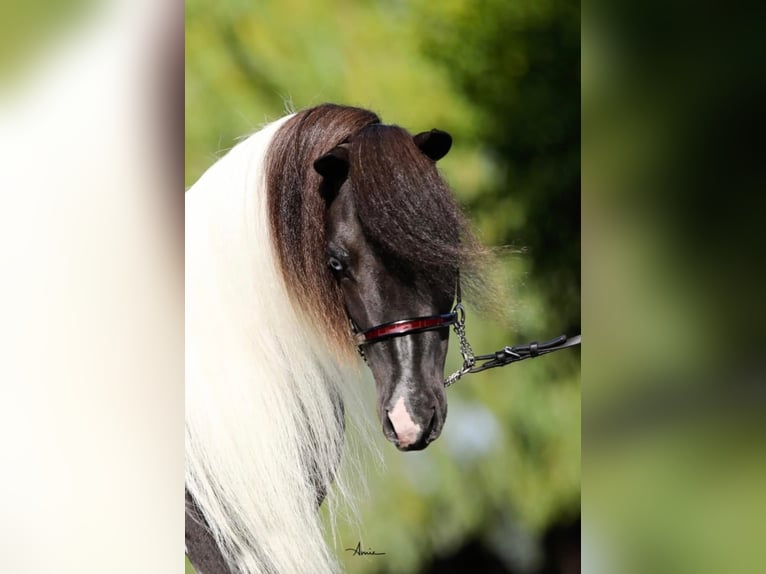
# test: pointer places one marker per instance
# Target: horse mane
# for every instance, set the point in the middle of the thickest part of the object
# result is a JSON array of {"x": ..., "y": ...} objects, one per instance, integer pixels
[
  {"x": 264, "y": 418},
  {"x": 406, "y": 211},
  {"x": 297, "y": 211}
]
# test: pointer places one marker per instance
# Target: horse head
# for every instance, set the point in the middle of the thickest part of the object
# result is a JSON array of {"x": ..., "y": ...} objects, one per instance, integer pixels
[{"x": 392, "y": 241}]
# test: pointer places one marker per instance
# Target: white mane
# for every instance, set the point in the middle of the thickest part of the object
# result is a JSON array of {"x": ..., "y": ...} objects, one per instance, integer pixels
[{"x": 259, "y": 381}]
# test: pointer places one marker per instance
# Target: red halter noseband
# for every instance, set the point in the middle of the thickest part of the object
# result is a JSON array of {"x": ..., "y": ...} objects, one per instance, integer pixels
[{"x": 405, "y": 327}]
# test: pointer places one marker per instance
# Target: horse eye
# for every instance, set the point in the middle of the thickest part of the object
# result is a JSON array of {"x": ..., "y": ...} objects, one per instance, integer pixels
[{"x": 335, "y": 264}]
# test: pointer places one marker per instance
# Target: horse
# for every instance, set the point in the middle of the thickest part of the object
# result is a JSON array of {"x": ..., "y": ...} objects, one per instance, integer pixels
[{"x": 310, "y": 243}]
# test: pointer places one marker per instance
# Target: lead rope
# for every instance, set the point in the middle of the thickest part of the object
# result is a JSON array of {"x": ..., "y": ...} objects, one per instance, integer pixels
[{"x": 504, "y": 356}]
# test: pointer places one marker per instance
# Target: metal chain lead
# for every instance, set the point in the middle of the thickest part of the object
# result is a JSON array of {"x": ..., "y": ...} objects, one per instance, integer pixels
[{"x": 469, "y": 360}]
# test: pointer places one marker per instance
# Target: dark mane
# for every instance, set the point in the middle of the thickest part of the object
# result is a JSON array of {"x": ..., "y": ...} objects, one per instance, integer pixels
[
  {"x": 296, "y": 210},
  {"x": 405, "y": 208}
]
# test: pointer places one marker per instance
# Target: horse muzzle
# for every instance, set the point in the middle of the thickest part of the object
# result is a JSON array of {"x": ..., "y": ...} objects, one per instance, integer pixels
[{"x": 412, "y": 428}]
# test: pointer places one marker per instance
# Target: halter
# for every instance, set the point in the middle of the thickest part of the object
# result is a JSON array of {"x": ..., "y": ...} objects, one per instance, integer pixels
[
  {"x": 456, "y": 318},
  {"x": 405, "y": 327}
]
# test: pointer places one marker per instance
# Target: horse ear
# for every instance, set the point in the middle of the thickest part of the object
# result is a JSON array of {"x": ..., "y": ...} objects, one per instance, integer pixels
[
  {"x": 334, "y": 164},
  {"x": 435, "y": 144}
]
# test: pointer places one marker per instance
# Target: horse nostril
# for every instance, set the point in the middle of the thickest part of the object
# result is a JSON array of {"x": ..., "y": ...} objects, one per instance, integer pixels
[
  {"x": 388, "y": 428},
  {"x": 429, "y": 434}
]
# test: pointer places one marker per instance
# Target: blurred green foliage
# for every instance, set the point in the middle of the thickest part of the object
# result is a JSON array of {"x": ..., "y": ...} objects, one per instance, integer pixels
[
  {"x": 28, "y": 29},
  {"x": 503, "y": 78},
  {"x": 518, "y": 64},
  {"x": 674, "y": 401}
]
